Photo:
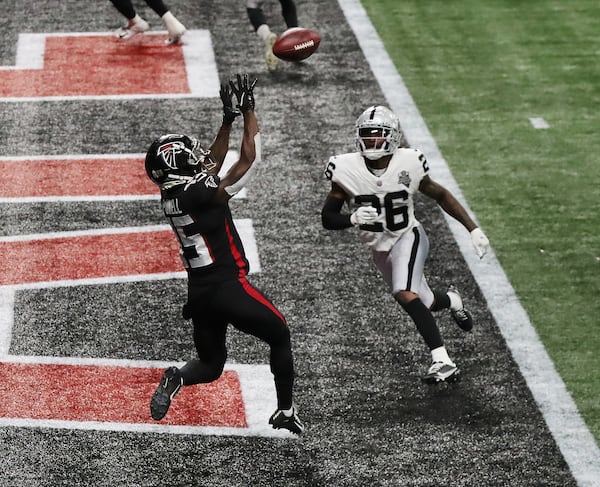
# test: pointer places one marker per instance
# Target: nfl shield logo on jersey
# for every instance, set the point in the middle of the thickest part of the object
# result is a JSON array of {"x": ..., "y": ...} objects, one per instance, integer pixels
[{"x": 404, "y": 178}]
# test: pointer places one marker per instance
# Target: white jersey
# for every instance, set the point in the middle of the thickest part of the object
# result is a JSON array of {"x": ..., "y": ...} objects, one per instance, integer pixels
[{"x": 391, "y": 193}]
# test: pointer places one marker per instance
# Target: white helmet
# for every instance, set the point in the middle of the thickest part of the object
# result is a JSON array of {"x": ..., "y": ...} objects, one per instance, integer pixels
[{"x": 378, "y": 132}]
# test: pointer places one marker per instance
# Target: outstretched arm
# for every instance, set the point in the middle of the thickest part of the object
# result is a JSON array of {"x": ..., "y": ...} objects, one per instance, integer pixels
[
  {"x": 250, "y": 151},
  {"x": 452, "y": 206},
  {"x": 220, "y": 146},
  {"x": 447, "y": 202}
]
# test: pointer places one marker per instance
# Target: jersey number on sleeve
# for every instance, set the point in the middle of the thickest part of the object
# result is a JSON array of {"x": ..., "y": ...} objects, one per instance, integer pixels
[{"x": 396, "y": 213}]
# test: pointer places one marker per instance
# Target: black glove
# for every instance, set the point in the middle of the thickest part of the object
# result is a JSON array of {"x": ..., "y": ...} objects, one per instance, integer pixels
[
  {"x": 229, "y": 113},
  {"x": 244, "y": 92}
]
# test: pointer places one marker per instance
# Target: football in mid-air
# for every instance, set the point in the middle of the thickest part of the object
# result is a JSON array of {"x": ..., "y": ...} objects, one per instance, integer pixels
[{"x": 296, "y": 44}]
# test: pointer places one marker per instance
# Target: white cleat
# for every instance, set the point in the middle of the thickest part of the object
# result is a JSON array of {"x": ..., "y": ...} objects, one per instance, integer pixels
[
  {"x": 441, "y": 372},
  {"x": 270, "y": 58},
  {"x": 137, "y": 25},
  {"x": 175, "y": 28}
]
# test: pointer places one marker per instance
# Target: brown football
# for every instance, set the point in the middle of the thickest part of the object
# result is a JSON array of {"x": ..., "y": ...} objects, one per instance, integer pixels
[{"x": 296, "y": 44}]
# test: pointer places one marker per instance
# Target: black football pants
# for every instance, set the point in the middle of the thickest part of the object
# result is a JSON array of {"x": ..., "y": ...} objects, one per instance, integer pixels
[{"x": 240, "y": 304}]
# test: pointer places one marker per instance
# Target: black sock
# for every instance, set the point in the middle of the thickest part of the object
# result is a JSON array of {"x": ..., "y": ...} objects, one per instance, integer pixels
[
  {"x": 257, "y": 17},
  {"x": 425, "y": 322},
  {"x": 288, "y": 11},
  {"x": 441, "y": 300}
]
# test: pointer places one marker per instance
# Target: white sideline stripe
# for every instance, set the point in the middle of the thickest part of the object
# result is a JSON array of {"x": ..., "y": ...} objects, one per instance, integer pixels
[
  {"x": 256, "y": 382},
  {"x": 539, "y": 123},
  {"x": 201, "y": 67},
  {"x": 571, "y": 434}
]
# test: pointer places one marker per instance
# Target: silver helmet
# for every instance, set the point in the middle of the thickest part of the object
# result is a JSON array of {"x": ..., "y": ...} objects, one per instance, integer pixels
[{"x": 378, "y": 132}]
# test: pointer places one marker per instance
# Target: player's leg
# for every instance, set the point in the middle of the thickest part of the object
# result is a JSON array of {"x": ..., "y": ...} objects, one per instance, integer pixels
[
  {"x": 261, "y": 27},
  {"x": 256, "y": 315},
  {"x": 125, "y": 8},
  {"x": 135, "y": 23},
  {"x": 403, "y": 269},
  {"x": 209, "y": 339},
  {"x": 452, "y": 300},
  {"x": 288, "y": 11},
  {"x": 175, "y": 28}
]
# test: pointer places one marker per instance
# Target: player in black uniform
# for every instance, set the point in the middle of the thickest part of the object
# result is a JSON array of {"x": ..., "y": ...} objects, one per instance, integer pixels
[{"x": 195, "y": 201}]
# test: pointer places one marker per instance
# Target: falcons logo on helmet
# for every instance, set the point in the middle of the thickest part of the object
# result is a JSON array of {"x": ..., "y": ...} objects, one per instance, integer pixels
[{"x": 169, "y": 152}]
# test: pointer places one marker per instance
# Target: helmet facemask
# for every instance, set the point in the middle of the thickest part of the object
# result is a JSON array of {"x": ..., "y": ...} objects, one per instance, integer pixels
[
  {"x": 377, "y": 133},
  {"x": 202, "y": 155}
]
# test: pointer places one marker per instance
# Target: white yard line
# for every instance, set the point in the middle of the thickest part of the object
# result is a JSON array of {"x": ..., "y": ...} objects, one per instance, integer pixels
[
  {"x": 539, "y": 123},
  {"x": 256, "y": 382},
  {"x": 560, "y": 412},
  {"x": 201, "y": 67}
]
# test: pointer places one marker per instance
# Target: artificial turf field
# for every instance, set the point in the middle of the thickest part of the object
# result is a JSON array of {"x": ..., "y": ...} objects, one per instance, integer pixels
[
  {"x": 359, "y": 361},
  {"x": 479, "y": 71}
]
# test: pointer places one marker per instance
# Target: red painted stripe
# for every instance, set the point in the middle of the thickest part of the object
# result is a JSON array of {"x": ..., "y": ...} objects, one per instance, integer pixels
[
  {"x": 113, "y": 394},
  {"x": 74, "y": 177},
  {"x": 237, "y": 254},
  {"x": 256, "y": 294},
  {"x": 92, "y": 256},
  {"x": 100, "y": 65}
]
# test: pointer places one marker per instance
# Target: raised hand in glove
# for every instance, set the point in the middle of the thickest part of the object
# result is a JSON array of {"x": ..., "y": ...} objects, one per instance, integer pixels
[
  {"x": 244, "y": 92},
  {"x": 229, "y": 113},
  {"x": 480, "y": 242},
  {"x": 363, "y": 216}
]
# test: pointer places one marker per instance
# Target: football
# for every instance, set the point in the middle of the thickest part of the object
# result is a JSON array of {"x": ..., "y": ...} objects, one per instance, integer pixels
[{"x": 296, "y": 44}]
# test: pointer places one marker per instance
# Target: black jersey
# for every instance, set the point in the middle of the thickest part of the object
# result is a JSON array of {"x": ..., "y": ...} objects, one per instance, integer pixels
[{"x": 210, "y": 246}]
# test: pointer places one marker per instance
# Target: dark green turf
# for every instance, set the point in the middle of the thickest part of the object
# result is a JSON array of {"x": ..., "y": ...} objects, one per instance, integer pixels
[{"x": 478, "y": 71}]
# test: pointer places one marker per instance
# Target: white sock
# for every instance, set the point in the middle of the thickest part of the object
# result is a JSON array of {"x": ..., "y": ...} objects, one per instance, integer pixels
[
  {"x": 288, "y": 412},
  {"x": 263, "y": 32},
  {"x": 441, "y": 355},
  {"x": 455, "y": 301}
]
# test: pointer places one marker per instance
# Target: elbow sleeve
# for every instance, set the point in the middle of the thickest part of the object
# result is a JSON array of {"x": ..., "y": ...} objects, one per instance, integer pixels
[{"x": 331, "y": 218}]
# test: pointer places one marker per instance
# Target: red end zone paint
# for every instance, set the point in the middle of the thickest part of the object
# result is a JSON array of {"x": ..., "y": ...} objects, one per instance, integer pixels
[
  {"x": 101, "y": 65},
  {"x": 90, "y": 256},
  {"x": 91, "y": 176},
  {"x": 114, "y": 394}
]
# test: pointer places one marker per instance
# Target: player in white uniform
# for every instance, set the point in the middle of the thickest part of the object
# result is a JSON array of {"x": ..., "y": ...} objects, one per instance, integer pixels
[{"x": 378, "y": 183}]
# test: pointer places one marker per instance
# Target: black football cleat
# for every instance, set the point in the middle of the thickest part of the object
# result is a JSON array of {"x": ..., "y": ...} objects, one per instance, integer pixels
[
  {"x": 291, "y": 423},
  {"x": 169, "y": 386},
  {"x": 461, "y": 316},
  {"x": 441, "y": 372}
]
